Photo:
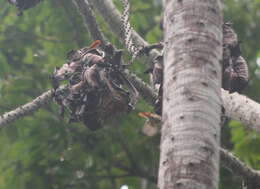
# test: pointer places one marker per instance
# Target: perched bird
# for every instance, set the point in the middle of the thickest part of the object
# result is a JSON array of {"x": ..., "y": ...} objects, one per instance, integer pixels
[{"x": 235, "y": 70}]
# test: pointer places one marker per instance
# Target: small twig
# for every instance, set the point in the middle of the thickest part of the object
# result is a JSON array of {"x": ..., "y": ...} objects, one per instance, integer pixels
[{"x": 85, "y": 10}]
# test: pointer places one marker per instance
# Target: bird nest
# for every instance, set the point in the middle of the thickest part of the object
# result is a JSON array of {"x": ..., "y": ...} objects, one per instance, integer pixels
[{"x": 96, "y": 89}]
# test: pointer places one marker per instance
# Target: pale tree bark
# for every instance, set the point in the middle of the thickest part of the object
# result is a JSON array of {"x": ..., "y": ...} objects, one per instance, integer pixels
[{"x": 189, "y": 156}]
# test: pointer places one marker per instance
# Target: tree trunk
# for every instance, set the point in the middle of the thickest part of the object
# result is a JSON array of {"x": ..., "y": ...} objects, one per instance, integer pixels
[{"x": 189, "y": 156}]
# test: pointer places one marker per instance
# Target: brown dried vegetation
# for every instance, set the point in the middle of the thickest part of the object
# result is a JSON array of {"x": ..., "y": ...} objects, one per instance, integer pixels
[{"x": 97, "y": 89}]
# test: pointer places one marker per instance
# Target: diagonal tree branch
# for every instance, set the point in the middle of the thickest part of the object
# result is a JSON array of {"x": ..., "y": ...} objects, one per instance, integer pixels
[
  {"x": 84, "y": 8},
  {"x": 26, "y": 109},
  {"x": 145, "y": 90},
  {"x": 250, "y": 176},
  {"x": 113, "y": 17}
]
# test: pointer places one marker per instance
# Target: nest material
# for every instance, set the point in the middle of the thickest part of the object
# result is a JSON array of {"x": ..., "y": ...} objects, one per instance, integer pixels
[
  {"x": 24, "y": 4},
  {"x": 97, "y": 90}
]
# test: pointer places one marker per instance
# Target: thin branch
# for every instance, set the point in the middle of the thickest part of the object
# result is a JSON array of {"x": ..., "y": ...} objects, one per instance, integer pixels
[
  {"x": 84, "y": 8},
  {"x": 250, "y": 176},
  {"x": 26, "y": 109},
  {"x": 145, "y": 90},
  {"x": 113, "y": 17}
]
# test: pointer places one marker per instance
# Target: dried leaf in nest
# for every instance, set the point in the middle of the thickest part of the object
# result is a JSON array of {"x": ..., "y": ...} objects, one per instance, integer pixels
[
  {"x": 97, "y": 90},
  {"x": 24, "y": 4},
  {"x": 152, "y": 123}
]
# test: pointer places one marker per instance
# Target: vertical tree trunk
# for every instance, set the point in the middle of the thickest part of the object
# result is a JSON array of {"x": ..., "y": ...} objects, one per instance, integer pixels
[{"x": 191, "y": 103}]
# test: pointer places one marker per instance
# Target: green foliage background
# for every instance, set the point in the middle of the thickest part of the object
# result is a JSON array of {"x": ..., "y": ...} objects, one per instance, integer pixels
[{"x": 43, "y": 151}]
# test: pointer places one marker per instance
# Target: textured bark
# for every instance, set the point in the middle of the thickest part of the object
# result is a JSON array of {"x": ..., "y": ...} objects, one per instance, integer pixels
[
  {"x": 191, "y": 102},
  {"x": 242, "y": 109}
]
